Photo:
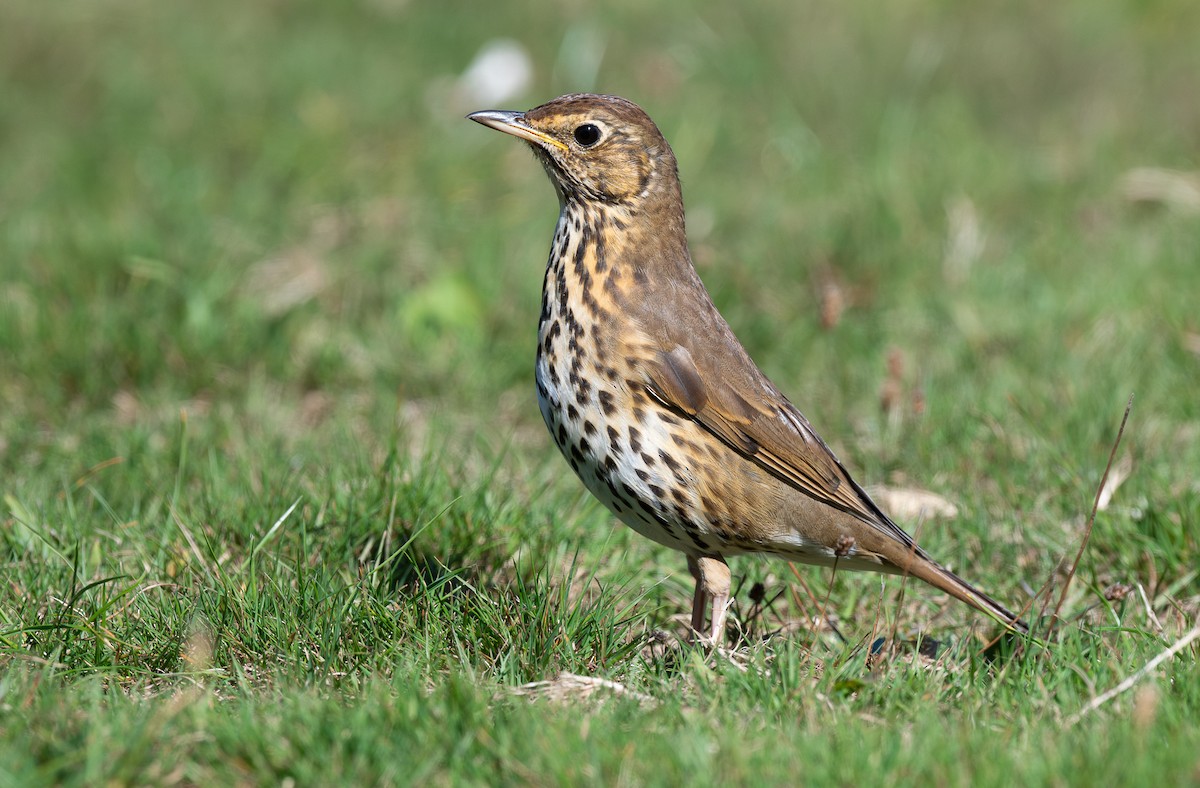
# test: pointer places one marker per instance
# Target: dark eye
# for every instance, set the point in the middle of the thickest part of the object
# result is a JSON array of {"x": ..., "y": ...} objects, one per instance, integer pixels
[{"x": 587, "y": 135}]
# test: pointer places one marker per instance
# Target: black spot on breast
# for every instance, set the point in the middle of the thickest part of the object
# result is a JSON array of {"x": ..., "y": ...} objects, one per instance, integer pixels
[
  {"x": 658, "y": 518},
  {"x": 560, "y": 290},
  {"x": 648, "y": 460},
  {"x": 581, "y": 256},
  {"x": 656, "y": 491},
  {"x": 589, "y": 428},
  {"x": 601, "y": 263},
  {"x": 635, "y": 440},
  {"x": 606, "y": 403},
  {"x": 562, "y": 435},
  {"x": 584, "y": 446},
  {"x": 684, "y": 442},
  {"x": 572, "y": 413},
  {"x": 643, "y": 475},
  {"x": 614, "y": 438}
]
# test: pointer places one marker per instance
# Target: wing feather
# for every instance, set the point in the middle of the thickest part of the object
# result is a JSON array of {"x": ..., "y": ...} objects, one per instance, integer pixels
[{"x": 760, "y": 423}]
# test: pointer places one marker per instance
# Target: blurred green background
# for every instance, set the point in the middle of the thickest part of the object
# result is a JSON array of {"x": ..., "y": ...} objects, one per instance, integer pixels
[{"x": 251, "y": 254}]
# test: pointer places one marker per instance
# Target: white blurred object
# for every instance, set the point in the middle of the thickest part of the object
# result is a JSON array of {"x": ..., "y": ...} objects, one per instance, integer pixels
[
  {"x": 501, "y": 71},
  {"x": 1174, "y": 188},
  {"x": 910, "y": 503},
  {"x": 965, "y": 240}
]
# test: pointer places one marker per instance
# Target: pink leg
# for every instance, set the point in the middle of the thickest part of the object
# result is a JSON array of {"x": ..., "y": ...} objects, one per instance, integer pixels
[
  {"x": 699, "y": 599},
  {"x": 712, "y": 582}
]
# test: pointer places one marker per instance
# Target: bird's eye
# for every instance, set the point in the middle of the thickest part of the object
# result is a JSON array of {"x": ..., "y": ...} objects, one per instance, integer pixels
[{"x": 587, "y": 135}]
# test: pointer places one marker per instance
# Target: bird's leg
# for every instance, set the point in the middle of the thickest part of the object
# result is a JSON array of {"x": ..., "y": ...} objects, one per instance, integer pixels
[
  {"x": 699, "y": 599},
  {"x": 712, "y": 582}
]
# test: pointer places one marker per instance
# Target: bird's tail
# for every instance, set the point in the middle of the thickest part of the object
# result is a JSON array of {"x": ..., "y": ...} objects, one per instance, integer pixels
[{"x": 941, "y": 578}]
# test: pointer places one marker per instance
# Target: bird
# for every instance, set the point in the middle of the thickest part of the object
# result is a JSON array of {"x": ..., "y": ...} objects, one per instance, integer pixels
[{"x": 651, "y": 398}]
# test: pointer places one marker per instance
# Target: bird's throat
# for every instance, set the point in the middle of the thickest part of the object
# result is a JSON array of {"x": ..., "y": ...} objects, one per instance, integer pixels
[{"x": 584, "y": 280}]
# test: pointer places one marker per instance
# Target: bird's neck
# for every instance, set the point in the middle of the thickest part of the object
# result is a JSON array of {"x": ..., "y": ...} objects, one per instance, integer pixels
[{"x": 606, "y": 253}]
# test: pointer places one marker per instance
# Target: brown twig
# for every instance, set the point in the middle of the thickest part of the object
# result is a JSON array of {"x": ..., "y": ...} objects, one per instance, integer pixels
[
  {"x": 843, "y": 547},
  {"x": 829, "y": 593},
  {"x": 1087, "y": 531},
  {"x": 912, "y": 554},
  {"x": 808, "y": 591},
  {"x": 812, "y": 598}
]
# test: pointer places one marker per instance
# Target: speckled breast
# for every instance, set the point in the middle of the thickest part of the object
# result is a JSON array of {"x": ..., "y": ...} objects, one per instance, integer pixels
[{"x": 623, "y": 454}]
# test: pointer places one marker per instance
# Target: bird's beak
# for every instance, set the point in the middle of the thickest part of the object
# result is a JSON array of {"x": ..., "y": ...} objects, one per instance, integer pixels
[{"x": 514, "y": 123}]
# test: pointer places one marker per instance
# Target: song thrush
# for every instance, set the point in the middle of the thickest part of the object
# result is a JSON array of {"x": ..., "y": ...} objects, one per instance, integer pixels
[{"x": 652, "y": 399}]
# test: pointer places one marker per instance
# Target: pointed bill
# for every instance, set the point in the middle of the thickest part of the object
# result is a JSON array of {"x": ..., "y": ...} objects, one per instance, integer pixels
[{"x": 513, "y": 123}]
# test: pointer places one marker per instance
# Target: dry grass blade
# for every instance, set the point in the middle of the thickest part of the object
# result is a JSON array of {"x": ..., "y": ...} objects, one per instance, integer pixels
[
  {"x": 1125, "y": 685},
  {"x": 287, "y": 280},
  {"x": 1120, "y": 473},
  {"x": 571, "y": 686},
  {"x": 1149, "y": 610},
  {"x": 1087, "y": 531}
]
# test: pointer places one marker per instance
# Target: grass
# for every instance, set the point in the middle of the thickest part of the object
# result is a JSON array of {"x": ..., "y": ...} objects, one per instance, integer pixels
[{"x": 277, "y": 502}]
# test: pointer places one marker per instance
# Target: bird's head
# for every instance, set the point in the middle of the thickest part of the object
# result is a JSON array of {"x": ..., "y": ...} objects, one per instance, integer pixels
[{"x": 595, "y": 148}]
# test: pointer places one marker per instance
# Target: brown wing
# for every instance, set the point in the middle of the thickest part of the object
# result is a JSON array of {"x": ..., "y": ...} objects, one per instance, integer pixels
[{"x": 758, "y": 422}]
